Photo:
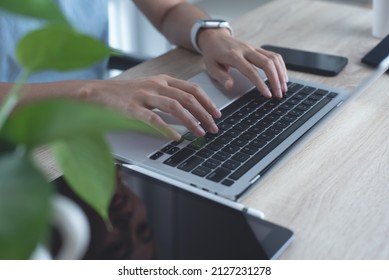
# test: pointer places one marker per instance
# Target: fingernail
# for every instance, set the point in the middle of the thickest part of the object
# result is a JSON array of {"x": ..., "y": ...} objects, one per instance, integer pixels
[
  {"x": 268, "y": 94},
  {"x": 284, "y": 87},
  {"x": 177, "y": 136},
  {"x": 217, "y": 114},
  {"x": 200, "y": 131},
  {"x": 228, "y": 84},
  {"x": 214, "y": 129}
]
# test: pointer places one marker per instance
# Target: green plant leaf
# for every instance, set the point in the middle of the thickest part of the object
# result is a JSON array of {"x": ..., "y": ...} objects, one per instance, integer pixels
[
  {"x": 88, "y": 167},
  {"x": 59, "y": 47},
  {"x": 46, "y": 121},
  {"x": 24, "y": 206},
  {"x": 42, "y": 9}
]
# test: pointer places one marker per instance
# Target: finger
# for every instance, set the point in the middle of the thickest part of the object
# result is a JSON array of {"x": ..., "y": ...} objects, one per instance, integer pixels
[
  {"x": 268, "y": 65},
  {"x": 174, "y": 107},
  {"x": 250, "y": 71},
  {"x": 190, "y": 101},
  {"x": 280, "y": 67},
  {"x": 200, "y": 95},
  {"x": 220, "y": 74},
  {"x": 154, "y": 120}
]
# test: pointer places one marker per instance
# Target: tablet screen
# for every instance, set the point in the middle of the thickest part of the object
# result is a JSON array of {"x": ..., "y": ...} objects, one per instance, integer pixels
[
  {"x": 188, "y": 226},
  {"x": 150, "y": 219}
]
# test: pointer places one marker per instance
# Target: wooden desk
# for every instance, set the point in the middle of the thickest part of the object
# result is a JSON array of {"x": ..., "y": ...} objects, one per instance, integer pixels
[{"x": 332, "y": 189}]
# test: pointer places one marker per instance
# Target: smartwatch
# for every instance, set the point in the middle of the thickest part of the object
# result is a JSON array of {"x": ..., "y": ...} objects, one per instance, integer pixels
[{"x": 207, "y": 24}]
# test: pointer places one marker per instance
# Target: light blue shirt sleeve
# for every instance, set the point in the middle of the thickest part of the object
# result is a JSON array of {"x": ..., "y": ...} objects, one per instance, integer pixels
[{"x": 90, "y": 17}]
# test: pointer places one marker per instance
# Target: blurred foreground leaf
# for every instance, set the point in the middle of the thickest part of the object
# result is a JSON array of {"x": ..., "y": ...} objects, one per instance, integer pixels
[
  {"x": 24, "y": 206},
  {"x": 42, "y": 9},
  {"x": 46, "y": 121},
  {"x": 59, "y": 47},
  {"x": 88, "y": 166}
]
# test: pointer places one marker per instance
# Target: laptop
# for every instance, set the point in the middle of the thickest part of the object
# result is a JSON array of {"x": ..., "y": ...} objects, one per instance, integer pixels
[{"x": 254, "y": 134}]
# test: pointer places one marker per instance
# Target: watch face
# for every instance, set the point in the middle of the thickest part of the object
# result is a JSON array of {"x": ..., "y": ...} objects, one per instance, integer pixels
[{"x": 213, "y": 23}]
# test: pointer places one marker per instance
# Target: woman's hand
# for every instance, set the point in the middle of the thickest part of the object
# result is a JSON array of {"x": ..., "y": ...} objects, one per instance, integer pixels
[
  {"x": 184, "y": 100},
  {"x": 221, "y": 51}
]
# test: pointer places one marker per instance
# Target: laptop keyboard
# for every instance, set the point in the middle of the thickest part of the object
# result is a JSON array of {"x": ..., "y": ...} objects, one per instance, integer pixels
[{"x": 251, "y": 127}]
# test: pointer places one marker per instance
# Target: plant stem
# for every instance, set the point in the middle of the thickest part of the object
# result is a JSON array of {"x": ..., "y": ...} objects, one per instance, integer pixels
[{"x": 12, "y": 98}]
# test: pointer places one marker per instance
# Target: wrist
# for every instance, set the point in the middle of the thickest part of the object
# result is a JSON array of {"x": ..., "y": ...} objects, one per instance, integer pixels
[{"x": 209, "y": 38}]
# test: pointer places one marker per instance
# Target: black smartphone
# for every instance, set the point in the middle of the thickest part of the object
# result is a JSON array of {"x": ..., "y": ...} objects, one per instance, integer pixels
[
  {"x": 310, "y": 62},
  {"x": 187, "y": 225},
  {"x": 378, "y": 53}
]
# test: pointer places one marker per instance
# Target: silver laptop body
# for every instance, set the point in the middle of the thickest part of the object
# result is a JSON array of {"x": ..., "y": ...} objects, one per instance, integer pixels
[{"x": 138, "y": 149}]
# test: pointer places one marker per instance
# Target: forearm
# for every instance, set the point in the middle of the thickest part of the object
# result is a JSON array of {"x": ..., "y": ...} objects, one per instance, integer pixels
[
  {"x": 36, "y": 91},
  {"x": 173, "y": 18},
  {"x": 178, "y": 23}
]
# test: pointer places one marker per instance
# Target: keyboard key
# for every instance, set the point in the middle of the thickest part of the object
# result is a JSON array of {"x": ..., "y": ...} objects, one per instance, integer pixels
[
  {"x": 218, "y": 174},
  {"x": 239, "y": 115},
  {"x": 315, "y": 97},
  {"x": 240, "y": 157},
  {"x": 289, "y": 118},
  {"x": 279, "y": 111},
  {"x": 232, "y": 120},
  {"x": 307, "y": 90},
  {"x": 179, "y": 157},
  {"x": 166, "y": 148},
  {"x": 212, "y": 163},
  {"x": 197, "y": 144},
  {"x": 258, "y": 143},
  {"x": 249, "y": 121},
  {"x": 267, "y": 136},
  {"x": 293, "y": 101},
  {"x": 321, "y": 92},
  {"x": 282, "y": 124},
  {"x": 248, "y": 135},
  {"x": 248, "y": 149},
  {"x": 205, "y": 153},
  {"x": 332, "y": 94},
  {"x": 258, "y": 114},
  {"x": 272, "y": 117},
  {"x": 231, "y": 149},
  {"x": 299, "y": 96},
  {"x": 176, "y": 143},
  {"x": 232, "y": 133},
  {"x": 303, "y": 107},
  {"x": 241, "y": 126},
  {"x": 309, "y": 102},
  {"x": 222, "y": 156},
  {"x": 286, "y": 106},
  {"x": 191, "y": 163},
  {"x": 223, "y": 139},
  {"x": 296, "y": 112},
  {"x": 274, "y": 130},
  {"x": 231, "y": 164},
  {"x": 294, "y": 87},
  {"x": 201, "y": 171},
  {"x": 214, "y": 146},
  {"x": 156, "y": 155},
  {"x": 227, "y": 182},
  {"x": 224, "y": 126},
  {"x": 239, "y": 142},
  {"x": 249, "y": 108},
  {"x": 189, "y": 136},
  {"x": 256, "y": 129}
]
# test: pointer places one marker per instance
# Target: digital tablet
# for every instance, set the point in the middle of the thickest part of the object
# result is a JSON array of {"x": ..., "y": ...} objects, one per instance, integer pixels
[{"x": 188, "y": 225}]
